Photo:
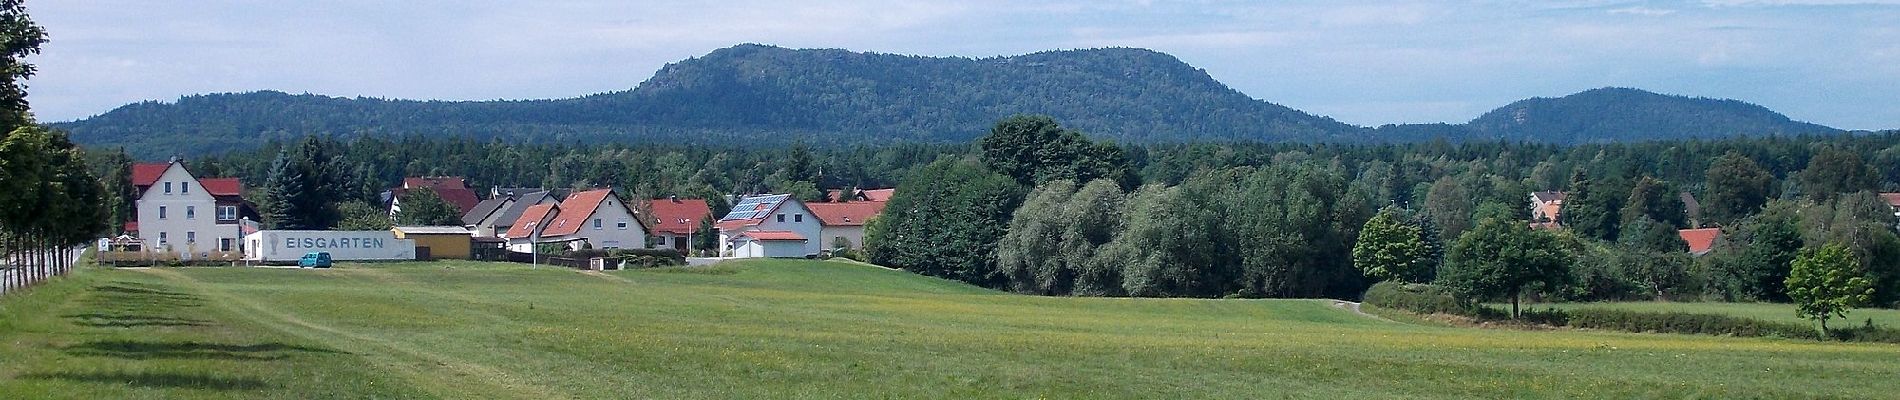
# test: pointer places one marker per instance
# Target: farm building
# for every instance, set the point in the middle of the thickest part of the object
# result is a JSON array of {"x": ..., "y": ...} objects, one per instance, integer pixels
[{"x": 437, "y": 242}]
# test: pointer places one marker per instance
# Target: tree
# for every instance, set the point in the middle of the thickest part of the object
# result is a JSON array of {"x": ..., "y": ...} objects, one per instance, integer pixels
[
  {"x": 1592, "y": 206},
  {"x": 1826, "y": 282},
  {"x": 945, "y": 221},
  {"x": 19, "y": 37},
  {"x": 361, "y": 216},
  {"x": 1754, "y": 255},
  {"x": 284, "y": 193},
  {"x": 1033, "y": 149},
  {"x": 1450, "y": 206},
  {"x": 1392, "y": 246},
  {"x": 1654, "y": 256},
  {"x": 1737, "y": 187},
  {"x": 1833, "y": 171},
  {"x": 1652, "y": 199},
  {"x": 422, "y": 206},
  {"x": 1502, "y": 258}
]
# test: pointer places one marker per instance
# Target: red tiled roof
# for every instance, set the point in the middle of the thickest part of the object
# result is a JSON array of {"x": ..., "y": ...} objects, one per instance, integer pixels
[
  {"x": 576, "y": 209},
  {"x": 131, "y": 227},
  {"x": 845, "y": 214},
  {"x": 222, "y": 186},
  {"x": 462, "y": 199},
  {"x": 773, "y": 235},
  {"x": 146, "y": 174},
  {"x": 1893, "y": 199},
  {"x": 671, "y": 215},
  {"x": 535, "y": 213},
  {"x": 879, "y": 194},
  {"x": 1700, "y": 240}
]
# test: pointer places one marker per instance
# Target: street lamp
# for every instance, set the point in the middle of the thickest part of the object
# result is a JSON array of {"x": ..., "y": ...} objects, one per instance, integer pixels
[
  {"x": 689, "y": 234},
  {"x": 534, "y": 239}
]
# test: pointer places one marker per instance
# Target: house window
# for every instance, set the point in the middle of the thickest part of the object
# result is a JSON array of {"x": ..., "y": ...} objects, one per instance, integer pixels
[
  {"x": 191, "y": 237},
  {"x": 622, "y": 225},
  {"x": 781, "y": 218},
  {"x": 597, "y": 224},
  {"x": 798, "y": 217},
  {"x": 161, "y": 238},
  {"x": 191, "y": 212},
  {"x": 227, "y": 213},
  {"x": 168, "y": 188},
  {"x": 225, "y": 244},
  {"x": 184, "y": 187},
  {"x": 161, "y": 212}
]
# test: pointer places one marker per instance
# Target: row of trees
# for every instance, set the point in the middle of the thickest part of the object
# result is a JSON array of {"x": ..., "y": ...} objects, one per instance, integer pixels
[{"x": 50, "y": 202}]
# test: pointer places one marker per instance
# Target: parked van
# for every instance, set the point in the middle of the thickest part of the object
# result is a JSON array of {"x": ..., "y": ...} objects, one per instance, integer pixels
[{"x": 315, "y": 259}]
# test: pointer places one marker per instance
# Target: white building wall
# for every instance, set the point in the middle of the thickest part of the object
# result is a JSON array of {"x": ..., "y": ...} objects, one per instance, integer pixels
[
  {"x": 852, "y": 233},
  {"x": 189, "y": 224},
  {"x": 797, "y": 219},
  {"x": 604, "y": 228}
]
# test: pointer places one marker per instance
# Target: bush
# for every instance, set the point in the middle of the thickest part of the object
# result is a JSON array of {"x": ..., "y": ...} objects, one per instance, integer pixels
[
  {"x": 1418, "y": 298},
  {"x": 1689, "y": 323},
  {"x": 634, "y": 258}
]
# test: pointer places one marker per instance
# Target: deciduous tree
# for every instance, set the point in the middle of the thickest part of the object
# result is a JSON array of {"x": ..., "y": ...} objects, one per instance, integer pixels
[{"x": 1826, "y": 282}]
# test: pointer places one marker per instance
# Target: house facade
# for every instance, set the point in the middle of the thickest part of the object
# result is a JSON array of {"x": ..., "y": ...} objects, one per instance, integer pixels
[
  {"x": 842, "y": 224},
  {"x": 676, "y": 221},
  {"x": 775, "y": 218},
  {"x": 180, "y": 214},
  {"x": 590, "y": 219},
  {"x": 1546, "y": 207}
]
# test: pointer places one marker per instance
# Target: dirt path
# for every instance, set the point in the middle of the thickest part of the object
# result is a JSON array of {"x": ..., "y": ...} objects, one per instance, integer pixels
[
  {"x": 1354, "y": 307},
  {"x": 441, "y": 373}
]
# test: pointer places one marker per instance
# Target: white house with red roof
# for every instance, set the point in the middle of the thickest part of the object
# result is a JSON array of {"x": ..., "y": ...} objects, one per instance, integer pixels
[
  {"x": 770, "y": 226},
  {"x": 590, "y": 219},
  {"x": 842, "y": 224},
  {"x": 182, "y": 214},
  {"x": 676, "y": 221}
]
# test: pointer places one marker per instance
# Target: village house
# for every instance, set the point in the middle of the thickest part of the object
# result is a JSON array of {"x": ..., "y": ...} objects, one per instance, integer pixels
[
  {"x": 450, "y": 188},
  {"x": 590, "y": 219},
  {"x": 493, "y": 217},
  {"x": 843, "y": 223},
  {"x": 1545, "y": 206},
  {"x": 769, "y": 226},
  {"x": 182, "y": 214},
  {"x": 676, "y": 221}
]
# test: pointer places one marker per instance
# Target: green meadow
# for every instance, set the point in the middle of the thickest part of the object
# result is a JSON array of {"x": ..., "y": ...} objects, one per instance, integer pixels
[
  {"x": 817, "y": 329},
  {"x": 1761, "y": 311}
]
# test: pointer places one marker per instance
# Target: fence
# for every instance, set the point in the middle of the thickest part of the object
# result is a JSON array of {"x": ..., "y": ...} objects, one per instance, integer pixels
[{"x": 149, "y": 259}]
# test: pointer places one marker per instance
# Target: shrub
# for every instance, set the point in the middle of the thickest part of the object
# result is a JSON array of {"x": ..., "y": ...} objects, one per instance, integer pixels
[
  {"x": 1689, "y": 323},
  {"x": 1418, "y": 298}
]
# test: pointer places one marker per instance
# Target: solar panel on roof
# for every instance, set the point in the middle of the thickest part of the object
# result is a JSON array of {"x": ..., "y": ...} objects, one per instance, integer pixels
[{"x": 754, "y": 207}]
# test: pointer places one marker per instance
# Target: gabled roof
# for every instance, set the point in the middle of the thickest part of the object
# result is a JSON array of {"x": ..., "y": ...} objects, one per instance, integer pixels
[
  {"x": 678, "y": 216},
  {"x": 879, "y": 194},
  {"x": 146, "y": 174},
  {"x": 432, "y": 230},
  {"x": 534, "y": 213},
  {"x": 845, "y": 214},
  {"x": 484, "y": 209},
  {"x": 513, "y": 212},
  {"x": 579, "y": 206},
  {"x": 1548, "y": 196},
  {"x": 1700, "y": 240},
  {"x": 463, "y": 199},
  {"x": 752, "y": 210},
  {"x": 773, "y": 235},
  {"x": 222, "y": 186}
]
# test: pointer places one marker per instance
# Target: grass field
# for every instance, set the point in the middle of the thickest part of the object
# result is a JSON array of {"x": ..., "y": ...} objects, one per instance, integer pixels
[
  {"x": 804, "y": 329},
  {"x": 1762, "y": 311}
]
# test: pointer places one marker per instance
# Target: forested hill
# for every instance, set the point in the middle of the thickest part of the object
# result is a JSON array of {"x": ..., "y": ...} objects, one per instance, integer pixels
[
  {"x": 754, "y": 95},
  {"x": 1622, "y": 114},
  {"x": 761, "y": 95}
]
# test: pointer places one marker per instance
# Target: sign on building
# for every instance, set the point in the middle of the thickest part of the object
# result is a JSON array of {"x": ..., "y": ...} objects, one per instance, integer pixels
[{"x": 284, "y": 246}]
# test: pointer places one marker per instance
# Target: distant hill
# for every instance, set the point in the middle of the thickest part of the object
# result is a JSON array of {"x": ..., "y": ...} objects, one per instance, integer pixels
[
  {"x": 754, "y": 95},
  {"x": 762, "y": 95}
]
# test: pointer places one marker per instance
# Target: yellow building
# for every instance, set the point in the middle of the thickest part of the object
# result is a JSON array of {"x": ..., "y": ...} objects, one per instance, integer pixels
[{"x": 437, "y": 242}]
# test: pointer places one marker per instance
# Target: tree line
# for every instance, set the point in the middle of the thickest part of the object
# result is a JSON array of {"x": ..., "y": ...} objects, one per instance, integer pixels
[
  {"x": 1037, "y": 208},
  {"x": 50, "y": 202}
]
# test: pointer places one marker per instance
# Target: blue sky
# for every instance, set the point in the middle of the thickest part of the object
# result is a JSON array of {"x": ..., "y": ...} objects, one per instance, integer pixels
[{"x": 1835, "y": 63}]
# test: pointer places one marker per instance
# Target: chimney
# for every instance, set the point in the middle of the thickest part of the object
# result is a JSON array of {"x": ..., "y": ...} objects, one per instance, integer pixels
[{"x": 674, "y": 198}]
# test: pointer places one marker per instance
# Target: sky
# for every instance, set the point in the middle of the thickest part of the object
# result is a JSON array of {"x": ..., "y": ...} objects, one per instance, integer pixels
[{"x": 1832, "y": 62}]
